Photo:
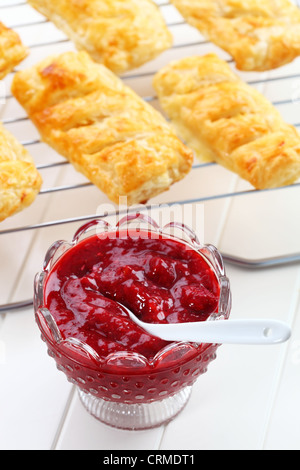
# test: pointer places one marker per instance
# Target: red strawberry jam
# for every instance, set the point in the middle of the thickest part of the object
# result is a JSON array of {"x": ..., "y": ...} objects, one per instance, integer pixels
[{"x": 159, "y": 279}]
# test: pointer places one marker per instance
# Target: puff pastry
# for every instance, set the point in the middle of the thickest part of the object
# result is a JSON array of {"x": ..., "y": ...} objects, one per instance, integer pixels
[
  {"x": 259, "y": 34},
  {"x": 225, "y": 120},
  {"x": 110, "y": 134},
  {"x": 20, "y": 181},
  {"x": 12, "y": 51},
  {"x": 119, "y": 34}
]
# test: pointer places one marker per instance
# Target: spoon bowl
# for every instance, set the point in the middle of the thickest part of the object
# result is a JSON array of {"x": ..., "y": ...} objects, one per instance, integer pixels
[{"x": 244, "y": 331}]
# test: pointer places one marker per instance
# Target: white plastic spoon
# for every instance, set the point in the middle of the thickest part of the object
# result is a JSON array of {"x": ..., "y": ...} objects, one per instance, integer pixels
[{"x": 219, "y": 331}]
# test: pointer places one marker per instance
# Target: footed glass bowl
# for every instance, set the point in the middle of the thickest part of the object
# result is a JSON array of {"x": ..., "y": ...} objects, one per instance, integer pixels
[{"x": 125, "y": 389}]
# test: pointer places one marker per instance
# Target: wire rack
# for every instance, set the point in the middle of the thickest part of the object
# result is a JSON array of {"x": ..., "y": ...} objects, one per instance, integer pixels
[{"x": 186, "y": 46}]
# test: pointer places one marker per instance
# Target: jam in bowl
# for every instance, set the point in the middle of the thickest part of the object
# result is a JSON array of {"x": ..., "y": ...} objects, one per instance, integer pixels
[{"x": 126, "y": 377}]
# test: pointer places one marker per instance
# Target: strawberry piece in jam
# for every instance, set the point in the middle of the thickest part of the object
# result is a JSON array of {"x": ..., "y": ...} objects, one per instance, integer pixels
[{"x": 161, "y": 280}]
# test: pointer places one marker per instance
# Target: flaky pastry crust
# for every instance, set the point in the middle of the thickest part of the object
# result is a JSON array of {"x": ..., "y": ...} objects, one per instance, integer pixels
[
  {"x": 12, "y": 51},
  {"x": 259, "y": 34},
  {"x": 121, "y": 34},
  {"x": 225, "y": 120},
  {"x": 20, "y": 181},
  {"x": 117, "y": 140}
]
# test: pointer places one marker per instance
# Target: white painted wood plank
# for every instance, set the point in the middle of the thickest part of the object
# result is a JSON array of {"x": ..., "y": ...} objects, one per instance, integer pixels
[
  {"x": 33, "y": 393},
  {"x": 283, "y": 432},
  {"x": 82, "y": 431},
  {"x": 229, "y": 407}
]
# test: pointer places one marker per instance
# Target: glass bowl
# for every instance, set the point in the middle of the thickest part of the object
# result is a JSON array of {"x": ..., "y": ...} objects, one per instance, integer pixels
[{"x": 126, "y": 390}]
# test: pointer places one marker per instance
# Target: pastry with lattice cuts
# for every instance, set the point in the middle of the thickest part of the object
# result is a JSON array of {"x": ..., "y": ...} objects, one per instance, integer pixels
[
  {"x": 12, "y": 50},
  {"x": 258, "y": 34},
  {"x": 20, "y": 181},
  {"x": 120, "y": 34},
  {"x": 225, "y": 120},
  {"x": 88, "y": 115}
]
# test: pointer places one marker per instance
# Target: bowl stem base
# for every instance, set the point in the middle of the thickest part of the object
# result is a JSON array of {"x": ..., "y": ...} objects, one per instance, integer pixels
[{"x": 139, "y": 416}]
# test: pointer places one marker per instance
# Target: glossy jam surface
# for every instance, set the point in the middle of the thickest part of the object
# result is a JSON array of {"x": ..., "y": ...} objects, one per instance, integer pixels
[{"x": 161, "y": 280}]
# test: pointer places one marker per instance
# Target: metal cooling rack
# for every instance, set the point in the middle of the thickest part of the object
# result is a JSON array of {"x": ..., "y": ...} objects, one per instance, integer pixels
[{"x": 261, "y": 263}]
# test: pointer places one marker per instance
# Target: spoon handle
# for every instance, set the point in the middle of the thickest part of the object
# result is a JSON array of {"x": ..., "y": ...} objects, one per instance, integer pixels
[{"x": 224, "y": 331}]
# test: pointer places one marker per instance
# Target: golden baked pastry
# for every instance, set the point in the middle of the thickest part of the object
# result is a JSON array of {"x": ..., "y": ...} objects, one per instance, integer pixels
[
  {"x": 111, "y": 135},
  {"x": 119, "y": 34},
  {"x": 225, "y": 120},
  {"x": 20, "y": 181},
  {"x": 12, "y": 51},
  {"x": 258, "y": 34}
]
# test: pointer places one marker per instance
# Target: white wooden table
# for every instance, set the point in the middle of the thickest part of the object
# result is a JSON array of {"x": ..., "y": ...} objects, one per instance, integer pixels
[{"x": 249, "y": 398}]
